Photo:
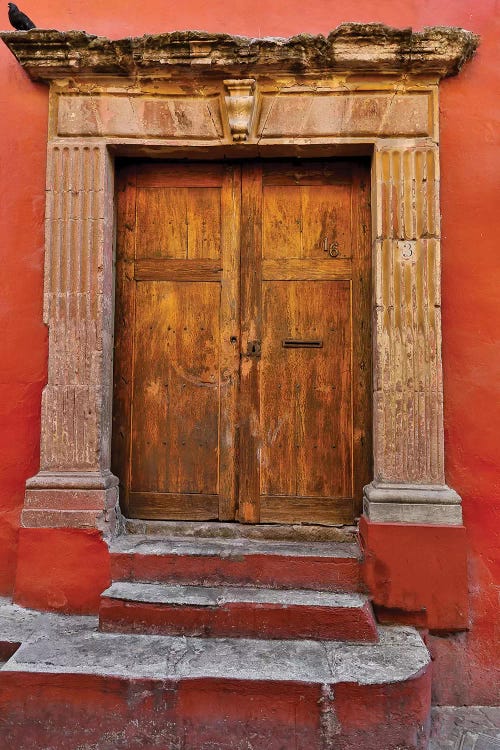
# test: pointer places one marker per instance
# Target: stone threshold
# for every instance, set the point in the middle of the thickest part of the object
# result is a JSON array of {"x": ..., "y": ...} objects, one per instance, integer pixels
[
  {"x": 215, "y": 530},
  {"x": 149, "y": 544}
]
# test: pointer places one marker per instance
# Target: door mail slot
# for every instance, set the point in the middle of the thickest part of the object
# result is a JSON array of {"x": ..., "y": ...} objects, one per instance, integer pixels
[{"x": 302, "y": 343}]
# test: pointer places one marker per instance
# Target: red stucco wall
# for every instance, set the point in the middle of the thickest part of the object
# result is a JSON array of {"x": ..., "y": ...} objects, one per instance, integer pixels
[{"x": 470, "y": 138}]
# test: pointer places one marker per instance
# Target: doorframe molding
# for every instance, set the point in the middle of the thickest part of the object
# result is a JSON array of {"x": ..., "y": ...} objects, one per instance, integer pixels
[{"x": 364, "y": 89}]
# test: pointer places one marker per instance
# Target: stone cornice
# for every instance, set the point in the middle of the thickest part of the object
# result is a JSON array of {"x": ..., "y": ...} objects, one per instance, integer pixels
[{"x": 350, "y": 48}]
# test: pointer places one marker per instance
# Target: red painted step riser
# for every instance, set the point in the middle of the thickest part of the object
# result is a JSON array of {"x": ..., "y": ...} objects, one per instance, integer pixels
[
  {"x": 63, "y": 711},
  {"x": 318, "y": 574},
  {"x": 243, "y": 620}
]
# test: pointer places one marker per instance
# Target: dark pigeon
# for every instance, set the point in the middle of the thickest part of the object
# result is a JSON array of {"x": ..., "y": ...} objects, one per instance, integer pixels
[{"x": 18, "y": 19}]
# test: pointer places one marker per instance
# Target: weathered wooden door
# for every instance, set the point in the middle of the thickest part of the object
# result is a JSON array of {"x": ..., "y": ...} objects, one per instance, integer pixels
[{"x": 242, "y": 351}]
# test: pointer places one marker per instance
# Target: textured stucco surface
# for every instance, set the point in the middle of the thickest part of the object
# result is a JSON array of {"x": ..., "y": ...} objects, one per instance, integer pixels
[{"x": 470, "y": 112}]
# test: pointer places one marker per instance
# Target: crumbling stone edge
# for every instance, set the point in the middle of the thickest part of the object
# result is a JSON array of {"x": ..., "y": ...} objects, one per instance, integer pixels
[{"x": 352, "y": 47}]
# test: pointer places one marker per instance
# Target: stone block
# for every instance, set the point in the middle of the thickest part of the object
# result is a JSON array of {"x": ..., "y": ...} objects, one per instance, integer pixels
[
  {"x": 312, "y": 115},
  {"x": 140, "y": 117}
]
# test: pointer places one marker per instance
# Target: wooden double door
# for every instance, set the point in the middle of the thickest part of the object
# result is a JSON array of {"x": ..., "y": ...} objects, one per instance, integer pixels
[{"x": 242, "y": 373}]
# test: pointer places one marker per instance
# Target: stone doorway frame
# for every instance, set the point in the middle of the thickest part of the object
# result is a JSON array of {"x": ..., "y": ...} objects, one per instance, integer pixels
[{"x": 364, "y": 89}]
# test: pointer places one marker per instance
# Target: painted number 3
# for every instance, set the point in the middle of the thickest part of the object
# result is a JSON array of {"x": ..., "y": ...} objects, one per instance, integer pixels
[{"x": 406, "y": 250}]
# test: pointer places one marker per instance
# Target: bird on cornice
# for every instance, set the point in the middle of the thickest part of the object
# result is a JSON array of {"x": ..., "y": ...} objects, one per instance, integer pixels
[{"x": 18, "y": 19}]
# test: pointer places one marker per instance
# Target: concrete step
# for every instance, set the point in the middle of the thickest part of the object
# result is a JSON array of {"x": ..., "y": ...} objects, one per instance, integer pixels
[
  {"x": 69, "y": 685},
  {"x": 236, "y": 612},
  {"x": 320, "y": 566}
]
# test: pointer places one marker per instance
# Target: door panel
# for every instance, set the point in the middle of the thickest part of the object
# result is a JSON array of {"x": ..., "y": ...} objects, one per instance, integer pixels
[
  {"x": 242, "y": 341},
  {"x": 305, "y": 427},
  {"x": 178, "y": 222},
  {"x": 175, "y": 416},
  {"x": 176, "y": 360},
  {"x": 305, "y": 405},
  {"x": 298, "y": 219}
]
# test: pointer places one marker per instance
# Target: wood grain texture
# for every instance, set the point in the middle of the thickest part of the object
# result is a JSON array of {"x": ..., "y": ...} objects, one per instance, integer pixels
[
  {"x": 302, "y": 221},
  {"x": 172, "y": 507},
  {"x": 206, "y": 427},
  {"x": 178, "y": 175},
  {"x": 305, "y": 406},
  {"x": 230, "y": 341},
  {"x": 176, "y": 366},
  {"x": 124, "y": 326},
  {"x": 297, "y": 269},
  {"x": 362, "y": 368},
  {"x": 158, "y": 269},
  {"x": 282, "y": 222},
  {"x": 314, "y": 415},
  {"x": 175, "y": 419},
  {"x": 178, "y": 222},
  {"x": 307, "y": 172},
  {"x": 303, "y": 509},
  {"x": 251, "y": 331}
]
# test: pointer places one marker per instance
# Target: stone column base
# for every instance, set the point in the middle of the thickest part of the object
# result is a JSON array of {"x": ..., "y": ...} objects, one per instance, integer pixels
[
  {"x": 77, "y": 500},
  {"x": 412, "y": 503}
]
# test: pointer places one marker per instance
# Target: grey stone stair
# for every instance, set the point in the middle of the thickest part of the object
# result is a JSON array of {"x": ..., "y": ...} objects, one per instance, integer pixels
[
  {"x": 323, "y": 566},
  {"x": 236, "y": 611},
  {"x": 71, "y": 686}
]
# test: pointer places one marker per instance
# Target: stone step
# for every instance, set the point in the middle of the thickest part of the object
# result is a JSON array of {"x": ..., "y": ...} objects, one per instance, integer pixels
[
  {"x": 224, "y": 530},
  {"x": 69, "y": 685},
  {"x": 320, "y": 566},
  {"x": 236, "y": 612}
]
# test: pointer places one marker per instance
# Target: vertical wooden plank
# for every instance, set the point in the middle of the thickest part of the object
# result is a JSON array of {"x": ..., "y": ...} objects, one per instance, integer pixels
[
  {"x": 306, "y": 412},
  {"x": 362, "y": 334},
  {"x": 203, "y": 222},
  {"x": 162, "y": 229},
  {"x": 281, "y": 222},
  {"x": 124, "y": 326},
  {"x": 323, "y": 388},
  {"x": 251, "y": 336},
  {"x": 326, "y": 215},
  {"x": 278, "y": 394},
  {"x": 229, "y": 341},
  {"x": 175, "y": 424}
]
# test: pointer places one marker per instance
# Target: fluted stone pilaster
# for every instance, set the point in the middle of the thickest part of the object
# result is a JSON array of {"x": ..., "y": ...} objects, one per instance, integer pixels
[
  {"x": 74, "y": 472},
  {"x": 409, "y": 483}
]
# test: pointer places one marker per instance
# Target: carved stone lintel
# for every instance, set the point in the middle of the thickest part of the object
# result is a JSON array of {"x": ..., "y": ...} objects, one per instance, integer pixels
[
  {"x": 355, "y": 47},
  {"x": 240, "y": 103}
]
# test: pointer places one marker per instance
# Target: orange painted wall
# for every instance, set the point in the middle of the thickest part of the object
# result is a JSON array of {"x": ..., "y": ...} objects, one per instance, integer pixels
[{"x": 470, "y": 139}]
